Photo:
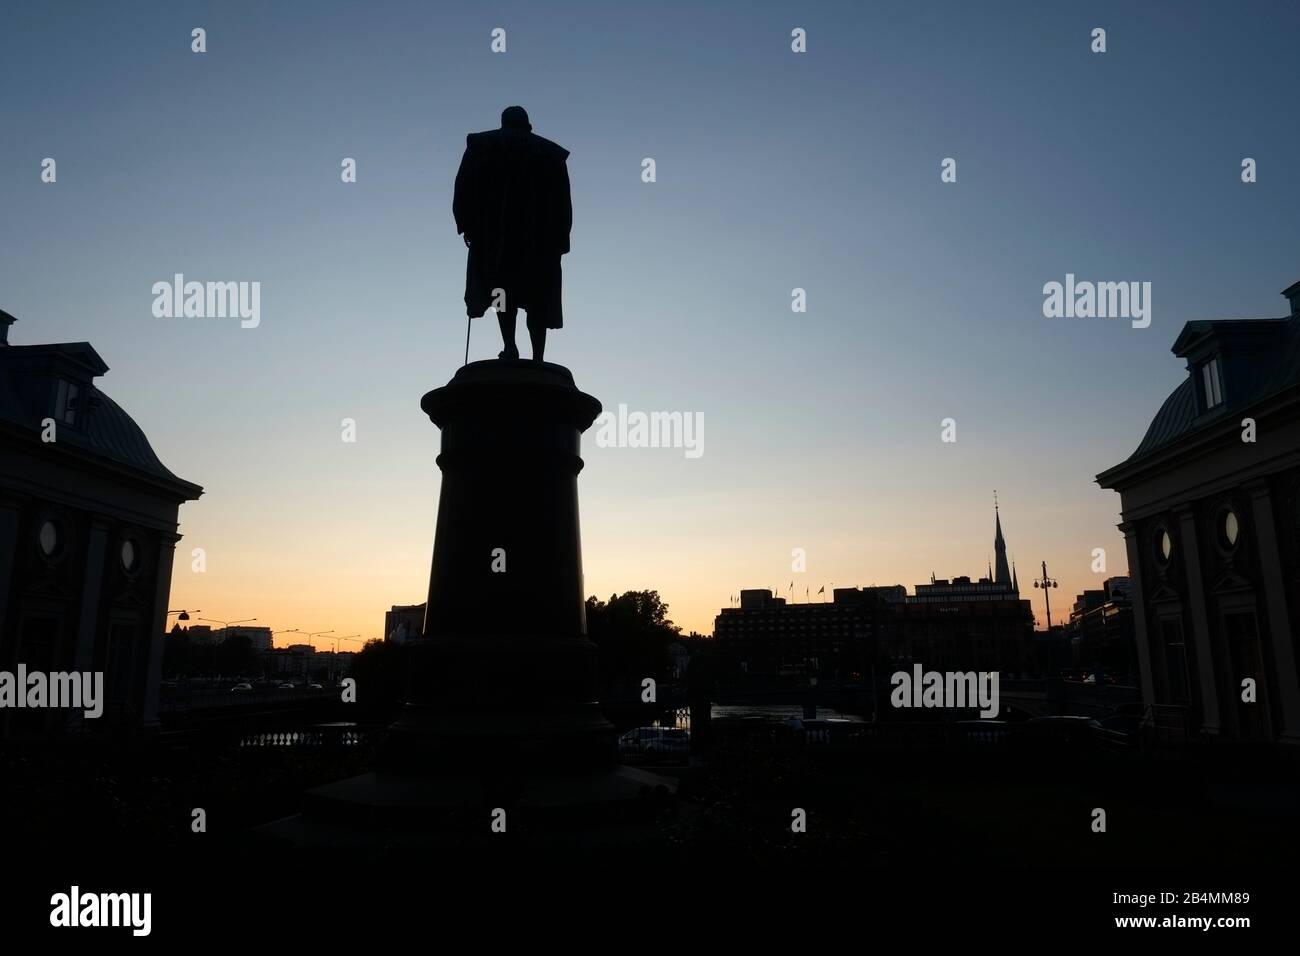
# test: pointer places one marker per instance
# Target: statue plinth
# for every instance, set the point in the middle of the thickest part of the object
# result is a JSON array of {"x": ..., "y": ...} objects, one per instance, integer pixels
[
  {"x": 502, "y": 704},
  {"x": 504, "y": 675},
  {"x": 507, "y": 554}
]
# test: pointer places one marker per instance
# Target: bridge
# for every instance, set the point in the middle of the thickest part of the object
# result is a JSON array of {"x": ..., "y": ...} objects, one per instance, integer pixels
[{"x": 267, "y": 707}]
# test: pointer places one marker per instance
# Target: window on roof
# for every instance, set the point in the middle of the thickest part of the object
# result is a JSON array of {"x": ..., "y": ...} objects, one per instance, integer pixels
[
  {"x": 1213, "y": 385},
  {"x": 65, "y": 406}
]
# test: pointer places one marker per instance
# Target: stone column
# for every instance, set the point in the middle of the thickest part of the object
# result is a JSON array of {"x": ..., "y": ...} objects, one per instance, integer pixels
[
  {"x": 1205, "y": 661},
  {"x": 1280, "y": 635},
  {"x": 1141, "y": 634},
  {"x": 504, "y": 675},
  {"x": 154, "y": 625},
  {"x": 83, "y": 648},
  {"x": 10, "y": 514},
  {"x": 92, "y": 582}
]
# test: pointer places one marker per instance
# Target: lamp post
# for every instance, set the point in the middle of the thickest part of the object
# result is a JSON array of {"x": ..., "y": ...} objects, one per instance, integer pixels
[
  {"x": 271, "y": 658},
  {"x": 316, "y": 634},
  {"x": 334, "y": 659},
  {"x": 184, "y": 616},
  {"x": 1045, "y": 582},
  {"x": 247, "y": 620},
  {"x": 309, "y": 636},
  {"x": 345, "y": 637}
]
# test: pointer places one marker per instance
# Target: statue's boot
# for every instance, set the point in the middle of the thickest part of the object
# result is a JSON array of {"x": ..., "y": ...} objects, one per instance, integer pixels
[{"x": 509, "y": 353}]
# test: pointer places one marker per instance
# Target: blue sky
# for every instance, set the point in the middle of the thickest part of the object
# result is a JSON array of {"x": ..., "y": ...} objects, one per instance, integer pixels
[{"x": 775, "y": 170}]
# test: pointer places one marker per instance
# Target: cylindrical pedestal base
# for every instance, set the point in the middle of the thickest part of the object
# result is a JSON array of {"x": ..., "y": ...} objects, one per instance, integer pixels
[
  {"x": 498, "y": 705},
  {"x": 504, "y": 679}
]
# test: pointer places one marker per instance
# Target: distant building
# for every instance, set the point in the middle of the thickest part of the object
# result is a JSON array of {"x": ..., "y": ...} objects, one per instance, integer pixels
[
  {"x": 1211, "y": 518},
  {"x": 88, "y": 527},
  {"x": 404, "y": 622},
  {"x": 679, "y": 658},
  {"x": 959, "y": 624},
  {"x": 295, "y": 662},
  {"x": 956, "y": 624},
  {"x": 1101, "y": 631},
  {"x": 1085, "y": 602},
  {"x": 259, "y": 638},
  {"x": 198, "y": 634},
  {"x": 766, "y": 638},
  {"x": 963, "y": 624}
]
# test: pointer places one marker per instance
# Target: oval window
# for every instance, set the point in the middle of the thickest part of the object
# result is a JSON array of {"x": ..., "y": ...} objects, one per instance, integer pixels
[
  {"x": 1166, "y": 545},
  {"x": 130, "y": 555},
  {"x": 1231, "y": 528},
  {"x": 48, "y": 538}
]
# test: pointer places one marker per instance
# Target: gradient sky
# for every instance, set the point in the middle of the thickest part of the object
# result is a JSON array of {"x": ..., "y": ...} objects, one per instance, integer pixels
[{"x": 775, "y": 170}]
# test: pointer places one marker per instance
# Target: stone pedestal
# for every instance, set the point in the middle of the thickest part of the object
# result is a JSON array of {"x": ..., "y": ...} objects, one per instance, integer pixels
[
  {"x": 502, "y": 699},
  {"x": 505, "y": 676}
]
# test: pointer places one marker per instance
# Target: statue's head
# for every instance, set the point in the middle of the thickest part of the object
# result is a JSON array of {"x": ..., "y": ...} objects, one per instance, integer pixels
[{"x": 515, "y": 117}]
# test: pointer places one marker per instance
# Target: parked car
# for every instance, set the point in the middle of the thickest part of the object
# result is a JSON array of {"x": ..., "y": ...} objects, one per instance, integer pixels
[
  {"x": 285, "y": 687},
  {"x": 242, "y": 687}
]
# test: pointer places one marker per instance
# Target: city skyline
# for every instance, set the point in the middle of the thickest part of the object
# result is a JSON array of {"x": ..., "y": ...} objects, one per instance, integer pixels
[{"x": 820, "y": 432}]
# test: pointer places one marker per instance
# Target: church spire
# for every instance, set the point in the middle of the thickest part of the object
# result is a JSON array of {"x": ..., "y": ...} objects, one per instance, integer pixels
[
  {"x": 1002, "y": 574},
  {"x": 1015, "y": 581}
]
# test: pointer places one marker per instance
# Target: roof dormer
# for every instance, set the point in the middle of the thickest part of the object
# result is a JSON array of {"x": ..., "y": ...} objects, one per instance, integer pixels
[
  {"x": 1292, "y": 294},
  {"x": 51, "y": 381},
  {"x": 1226, "y": 360}
]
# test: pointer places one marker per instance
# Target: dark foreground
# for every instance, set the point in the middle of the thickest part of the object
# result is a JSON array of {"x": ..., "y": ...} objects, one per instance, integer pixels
[{"x": 953, "y": 834}]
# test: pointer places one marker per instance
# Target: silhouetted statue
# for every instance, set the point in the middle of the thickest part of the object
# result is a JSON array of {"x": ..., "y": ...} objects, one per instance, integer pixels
[{"x": 512, "y": 206}]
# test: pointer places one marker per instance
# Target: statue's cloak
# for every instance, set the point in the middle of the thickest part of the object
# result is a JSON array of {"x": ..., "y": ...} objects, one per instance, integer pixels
[{"x": 512, "y": 204}]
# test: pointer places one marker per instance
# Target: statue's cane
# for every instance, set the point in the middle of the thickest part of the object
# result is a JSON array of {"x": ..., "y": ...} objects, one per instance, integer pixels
[{"x": 469, "y": 319}]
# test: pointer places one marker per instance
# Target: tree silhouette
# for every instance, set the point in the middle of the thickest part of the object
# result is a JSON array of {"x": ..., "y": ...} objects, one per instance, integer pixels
[
  {"x": 235, "y": 657},
  {"x": 381, "y": 668},
  {"x": 633, "y": 633}
]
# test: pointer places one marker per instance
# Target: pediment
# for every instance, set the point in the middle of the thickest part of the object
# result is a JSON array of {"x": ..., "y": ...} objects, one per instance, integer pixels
[
  {"x": 1228, "y": 581},
  {"x": 1163, "y": 594},
  {"x": 129, "y": 599}
]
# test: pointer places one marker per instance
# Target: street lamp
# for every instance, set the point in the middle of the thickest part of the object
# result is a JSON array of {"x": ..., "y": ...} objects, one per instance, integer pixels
[
  {"x": 309, "y": 636},
  {"x": 247, "y": 620},
  {"x": 307, "y": 676},
  {"x": 345, "y": 637},
  {"x": 1045, "y": 582},
  {"x": 274, "y": 632},
  {"x": 334, "y": 659}
]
